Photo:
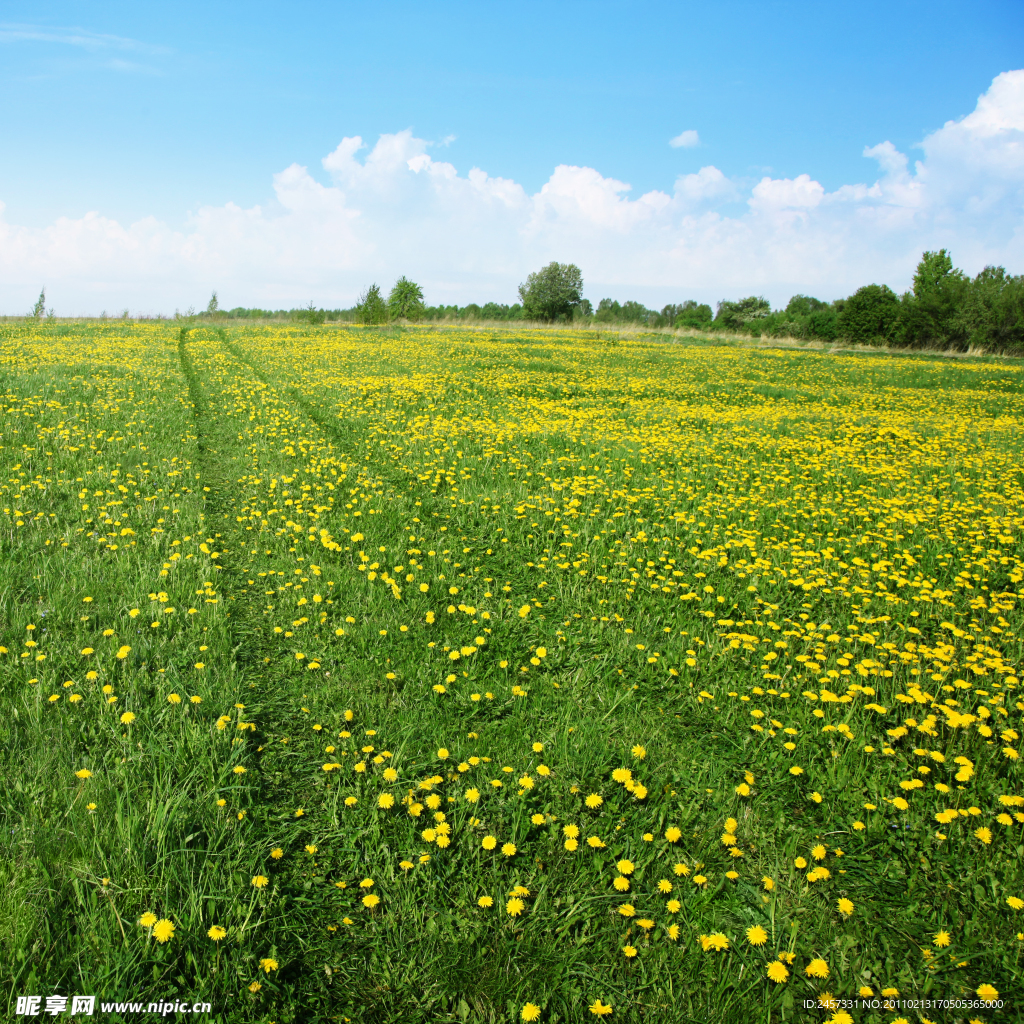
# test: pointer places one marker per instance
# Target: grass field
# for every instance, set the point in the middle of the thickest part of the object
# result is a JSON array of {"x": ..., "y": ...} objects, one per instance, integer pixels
[{"x": 444, "y": 675}]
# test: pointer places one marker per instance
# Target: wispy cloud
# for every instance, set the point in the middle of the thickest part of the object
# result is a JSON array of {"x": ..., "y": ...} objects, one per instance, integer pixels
[{"x": 77, "y": 37}]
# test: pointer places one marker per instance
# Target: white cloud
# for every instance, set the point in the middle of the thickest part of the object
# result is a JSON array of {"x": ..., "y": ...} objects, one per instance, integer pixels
[
  {"x": 786, "y": 193},
  {"x": 685, "y": 139},
  {"x": 708, "y": 185},
  {"x": 392, "y": 208}
]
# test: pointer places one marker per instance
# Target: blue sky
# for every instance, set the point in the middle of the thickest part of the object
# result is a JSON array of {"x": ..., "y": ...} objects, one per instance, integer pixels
[{"x": 146, "y": 113}]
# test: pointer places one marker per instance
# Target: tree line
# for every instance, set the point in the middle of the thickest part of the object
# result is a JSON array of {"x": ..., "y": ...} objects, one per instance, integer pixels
[{"x": 945, "y": 308}]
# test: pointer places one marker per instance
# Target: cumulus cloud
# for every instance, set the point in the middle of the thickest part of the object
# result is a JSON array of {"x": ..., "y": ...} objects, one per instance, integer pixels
[
  {"x": 374, "y": 212},
  {"x": 685, "y": 139}
]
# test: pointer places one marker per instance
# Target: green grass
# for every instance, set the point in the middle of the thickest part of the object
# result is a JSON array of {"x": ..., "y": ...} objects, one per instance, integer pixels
[{"x": 652, "y": 543}]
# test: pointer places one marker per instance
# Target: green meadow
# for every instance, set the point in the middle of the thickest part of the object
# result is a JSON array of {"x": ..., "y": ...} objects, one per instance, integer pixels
[{"x": 440, "y": 674}]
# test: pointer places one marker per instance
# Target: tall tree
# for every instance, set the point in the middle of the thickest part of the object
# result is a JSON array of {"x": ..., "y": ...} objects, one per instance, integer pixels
[
  {"x": 213, "y": 306},
  {"x": 371, "y": 308},
  {"x": 406, "y": 300},
  {"x": 934, "y": 268},
  {"x": 553, "y": 293},
  {"x": 40, "y": 307}
]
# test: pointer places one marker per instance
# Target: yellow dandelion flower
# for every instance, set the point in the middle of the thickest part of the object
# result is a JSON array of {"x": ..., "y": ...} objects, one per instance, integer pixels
[{"x": 817, "y": 968}]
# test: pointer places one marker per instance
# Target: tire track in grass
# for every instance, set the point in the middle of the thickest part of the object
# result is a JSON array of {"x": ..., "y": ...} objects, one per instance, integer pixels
[
  {"x": 348, "y": 439},
  {"x": 245, "y": 633}
]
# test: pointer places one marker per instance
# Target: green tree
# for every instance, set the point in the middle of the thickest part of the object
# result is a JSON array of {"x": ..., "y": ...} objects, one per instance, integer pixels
[
  {"x": 804, "y": 305},
  {"x": 929, "y": 312},
  {"x": 743, "y": 314},
  {"x": 932, "y": 271},
  {"x": 870, "y": 314},
  {"x": 40, "y": 307},
  {"x": 406, "y": 300},
  {"x": 311, "y": 315},
  {"x": 991, "y": 313},
  {"x": 213, "y": 306},
  {"x": 371, "y": 308},
  {"x": 553, "y": 293},
  {"x": 689, "y": 314}
]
